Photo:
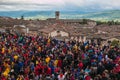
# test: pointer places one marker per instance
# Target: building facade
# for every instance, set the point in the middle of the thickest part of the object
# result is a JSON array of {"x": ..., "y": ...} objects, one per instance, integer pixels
[{"x": 58, "y": 33}]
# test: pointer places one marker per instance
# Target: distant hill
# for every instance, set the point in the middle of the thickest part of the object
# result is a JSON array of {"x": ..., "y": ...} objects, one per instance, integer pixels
[{"x": 103, "y": 15}]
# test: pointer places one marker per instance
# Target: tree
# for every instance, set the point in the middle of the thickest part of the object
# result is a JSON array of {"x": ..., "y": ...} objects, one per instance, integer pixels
[
  {"x": 99, "y": 23},
  {"x": 84, "y": 21},
  {"x": 111, "y": 22},
  {"x": 22, "y": 17},
  {"x": 115, "y": 43},
  {"x": 117, "y": 22}
]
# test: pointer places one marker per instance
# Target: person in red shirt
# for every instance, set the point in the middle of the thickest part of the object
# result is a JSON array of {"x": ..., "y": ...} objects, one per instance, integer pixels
[
  {"x": 87, "y": 76},
  {"x": 26, "y": 78},
  {"x": 80, "y": 65},
  {"x": 57, "y": 69},
  {"x": 39, "y": 69},
  {"x": 59, "y": 63},
  {"x": 2, "y": 78},
  {"x": 48, "y": 72}
]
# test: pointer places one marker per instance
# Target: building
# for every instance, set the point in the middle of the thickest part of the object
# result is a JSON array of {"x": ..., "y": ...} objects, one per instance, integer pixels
[
  {"x": 57, "y": 15},
  {"x": 91, "y": 23},
  {"x": 53, "y": 33},
  {"x": 58, "y": 33},
  {"x": 33, "y": 30},
  {"x": 20, "y": 29},
  {"x": 2, "y": 30},
  {"x": 56, "y": 27}
]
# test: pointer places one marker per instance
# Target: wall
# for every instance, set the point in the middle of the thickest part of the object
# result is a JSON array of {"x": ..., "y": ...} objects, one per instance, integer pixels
[
  {"x": 58, "y": 33},
  {"x": 79, "y": 38},
  {"x": 20, "y": 30}
]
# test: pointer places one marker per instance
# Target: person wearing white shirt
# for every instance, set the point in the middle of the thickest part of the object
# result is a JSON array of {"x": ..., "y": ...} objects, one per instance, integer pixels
[{"x": 62, "y": 76}]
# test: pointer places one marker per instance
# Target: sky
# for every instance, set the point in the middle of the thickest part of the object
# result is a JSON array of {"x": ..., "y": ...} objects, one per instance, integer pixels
[{"x": 84, "y": 5}]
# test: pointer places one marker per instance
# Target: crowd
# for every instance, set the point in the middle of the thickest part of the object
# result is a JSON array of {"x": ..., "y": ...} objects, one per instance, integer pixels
[{"x": 26, "y": 57}]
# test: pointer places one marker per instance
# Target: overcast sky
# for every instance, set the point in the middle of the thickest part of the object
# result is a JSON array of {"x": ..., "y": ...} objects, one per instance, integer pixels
[{"x": 14, "y": 5}]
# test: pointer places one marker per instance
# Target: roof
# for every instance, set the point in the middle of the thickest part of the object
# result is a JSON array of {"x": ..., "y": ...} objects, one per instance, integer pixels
[
  {"x": 22, "y": 26},
  {"x": 54, "y": 27},
  {"x": 51, "y": 19},
  {"x": 33, "y": 29},
  {"x": 2, "y": 30},
  {"x": 72, "y": 20},
  {"x": 46, "y": 30},
  {"x": 118, "y": 37},
  {"x": 31, "y": 25}
]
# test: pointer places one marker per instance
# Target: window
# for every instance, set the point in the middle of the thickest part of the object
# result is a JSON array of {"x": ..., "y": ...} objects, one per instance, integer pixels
[{"x": 58, "y": 31}]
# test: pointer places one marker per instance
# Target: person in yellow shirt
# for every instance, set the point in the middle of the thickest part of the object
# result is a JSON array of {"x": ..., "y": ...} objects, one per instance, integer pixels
[
  {"x": 20, "y": 77},
  {"x": 47, "y": 59},
  {"x": 48, "y": 40},
  {"x": 39, "y": 49},
  {"x": 7, "y": 70},
  {"x": 56, "y": 62},
  {"x": 33, "y": 57},
  {"x": 37, "y": 62},
  {"x": 12, "y": 64},
  {"x": 75, "y": 47},
  {"x": 3, "y": 50},
  {"x": 9, "y": 50},
  {"x": 15, "y": 57},
  {"x": 14, "y": 48}
]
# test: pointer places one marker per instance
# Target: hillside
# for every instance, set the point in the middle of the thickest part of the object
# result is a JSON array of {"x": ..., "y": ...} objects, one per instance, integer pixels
[{"x": 105, "y": 15}]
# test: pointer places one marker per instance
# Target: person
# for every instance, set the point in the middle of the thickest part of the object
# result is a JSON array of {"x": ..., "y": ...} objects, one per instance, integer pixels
[
  {"x": 30, "y": 57},
  {"x": 87, "y": 76},
  {"x": 62, "y": 76}
]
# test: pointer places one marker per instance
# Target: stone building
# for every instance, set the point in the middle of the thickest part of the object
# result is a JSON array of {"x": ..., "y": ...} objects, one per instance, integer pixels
[
  {"x": 57, "y": 13},
  {"x": 91, "y": 23},
  {"x": 53, "y": 33},
  {"x": 20, "y": 29},
  {"x": 58, "y": 33}
]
